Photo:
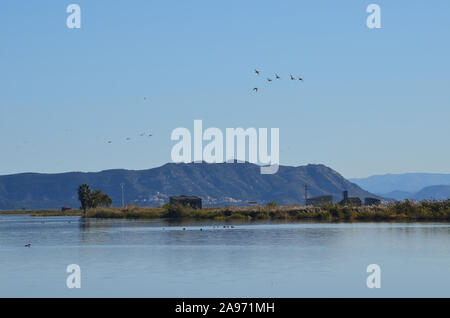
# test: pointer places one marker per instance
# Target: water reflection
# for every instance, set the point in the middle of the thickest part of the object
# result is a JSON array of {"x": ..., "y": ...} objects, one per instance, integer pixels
[{"x": 161, "y": 258}]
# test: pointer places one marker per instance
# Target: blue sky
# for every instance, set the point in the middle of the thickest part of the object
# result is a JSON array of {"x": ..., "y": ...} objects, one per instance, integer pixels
[{"x": 373, "y": 101}]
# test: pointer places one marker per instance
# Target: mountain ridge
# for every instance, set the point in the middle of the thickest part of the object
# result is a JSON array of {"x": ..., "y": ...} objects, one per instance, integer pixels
[
  {"x": 216, "y": 184},
  {"x": 407, "y": 182},
  {"x": 435, "y": 192}
]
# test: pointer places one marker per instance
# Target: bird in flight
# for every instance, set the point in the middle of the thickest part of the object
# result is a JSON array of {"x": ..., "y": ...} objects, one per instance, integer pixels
[
  {"x": 277, "y": 76},
  {"x": 292, "y": 77},
  {"x": 256, "y": 89},
  {"x": 257, "y": 72},
  {"x": 269, "y": 79}
]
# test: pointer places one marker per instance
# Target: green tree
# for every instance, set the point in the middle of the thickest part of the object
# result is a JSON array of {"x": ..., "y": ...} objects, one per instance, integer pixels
[
  {"x": 84, "y": 195},
  {"x": 105, "y": 201},
  {"x": 272, "y": 204},
  {"x": 94, "y": 198},
  {"x": 97, "y": 198}
]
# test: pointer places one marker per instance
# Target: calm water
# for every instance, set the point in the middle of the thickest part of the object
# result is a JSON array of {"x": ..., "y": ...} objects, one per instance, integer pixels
[{"x": 120, "y": 258}]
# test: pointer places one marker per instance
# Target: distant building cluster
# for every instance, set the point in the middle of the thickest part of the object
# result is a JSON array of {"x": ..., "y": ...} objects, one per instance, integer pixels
[
  {"x": 346, "y": 200},
  {"x": 319, "y": 200},
  {"x": 355, "y": 201},
  {"x": 371, "y": 201}
]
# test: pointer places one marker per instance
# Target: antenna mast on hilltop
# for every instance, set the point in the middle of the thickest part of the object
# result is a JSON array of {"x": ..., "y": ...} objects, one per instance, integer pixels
[
  {"x": 306, "y": 194},
  {"x": 123, "y": 201}
]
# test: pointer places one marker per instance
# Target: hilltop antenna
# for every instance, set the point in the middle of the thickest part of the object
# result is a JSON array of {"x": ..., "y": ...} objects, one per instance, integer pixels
[
  {"x": 123, "y": 201},
  {"x": 306, "y": 194}
]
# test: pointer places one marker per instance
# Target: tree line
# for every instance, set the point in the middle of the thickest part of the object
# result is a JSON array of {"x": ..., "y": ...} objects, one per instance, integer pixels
[{"x": 92, "y": 198}]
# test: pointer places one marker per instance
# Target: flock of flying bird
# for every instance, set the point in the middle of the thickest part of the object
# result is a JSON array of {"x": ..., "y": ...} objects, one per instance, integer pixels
[
  {"x": 257, "y": 72},
  {"x": 128, "y": 138},
  {"x": 141, "y": 134},
  {"x": 293, "y": 78}
]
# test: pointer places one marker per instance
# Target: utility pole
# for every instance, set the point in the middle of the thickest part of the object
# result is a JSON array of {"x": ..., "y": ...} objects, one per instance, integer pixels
[
  {"x": 306, "y": 194},
  {"x": 123, "y": 198}
]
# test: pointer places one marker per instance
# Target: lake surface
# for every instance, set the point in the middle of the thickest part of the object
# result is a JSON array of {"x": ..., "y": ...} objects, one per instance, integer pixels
[{"x": 122, "y": 258}]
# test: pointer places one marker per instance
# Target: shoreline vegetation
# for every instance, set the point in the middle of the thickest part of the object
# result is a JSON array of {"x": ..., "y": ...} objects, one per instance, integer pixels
[{"x": 331, "y": 212}]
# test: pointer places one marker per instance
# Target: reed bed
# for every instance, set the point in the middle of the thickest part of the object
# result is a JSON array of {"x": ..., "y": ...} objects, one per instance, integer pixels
[{"x": 396, "y": 211}]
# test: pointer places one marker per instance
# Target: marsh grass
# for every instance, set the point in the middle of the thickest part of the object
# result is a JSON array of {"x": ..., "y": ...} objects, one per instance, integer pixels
[
  {"x": 398, "y": 211},
  {"x": 128, "y": 212},
  {"x": 44, "y": 212}
]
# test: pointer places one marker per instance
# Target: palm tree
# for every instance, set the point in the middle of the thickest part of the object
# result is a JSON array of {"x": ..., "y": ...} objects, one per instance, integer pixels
[
  {"x": 94, "y": 199},
  {"x": 105, "y": 201},
  {"x": 84, "y": 195}
]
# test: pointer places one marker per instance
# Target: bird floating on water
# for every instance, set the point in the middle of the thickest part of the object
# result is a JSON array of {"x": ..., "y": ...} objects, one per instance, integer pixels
[
  {"x": 277, "y": 76},
  {"x": 255, "y": 89},
  {"x": 257, "y": 72},
  {"x": 27, "y": 245}
]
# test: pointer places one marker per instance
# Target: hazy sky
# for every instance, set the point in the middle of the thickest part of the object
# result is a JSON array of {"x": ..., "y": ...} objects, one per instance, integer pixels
[{"x": 373, "y": 101}]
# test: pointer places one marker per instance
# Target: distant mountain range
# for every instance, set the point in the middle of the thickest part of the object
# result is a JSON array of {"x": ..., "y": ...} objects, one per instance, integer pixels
[
  {"x": 437, "y": 192},
  {"x": 216, "y": 184},
  {"x": 409, "y": 182},
  {"x": 417, "y": 186},
  {"x": 399, "y": 195}
]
